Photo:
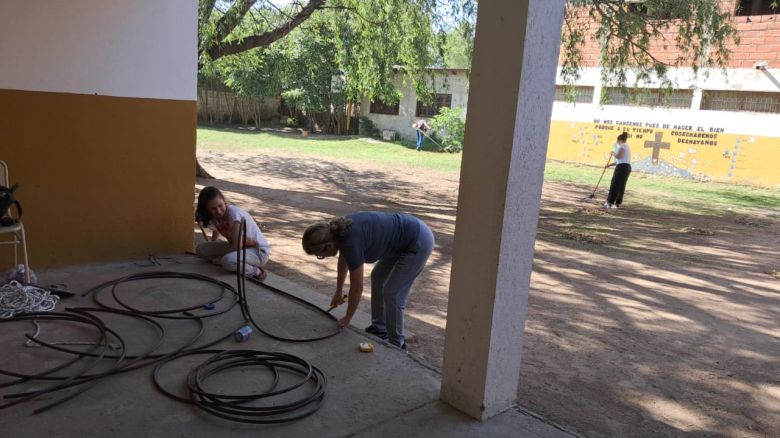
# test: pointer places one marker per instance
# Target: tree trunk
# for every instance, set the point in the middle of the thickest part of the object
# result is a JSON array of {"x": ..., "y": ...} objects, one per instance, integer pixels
[{"x": 200, "y": 172}]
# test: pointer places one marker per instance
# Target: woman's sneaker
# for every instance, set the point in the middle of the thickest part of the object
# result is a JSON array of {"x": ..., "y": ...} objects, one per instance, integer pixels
[{"x": 376, "y": 332}]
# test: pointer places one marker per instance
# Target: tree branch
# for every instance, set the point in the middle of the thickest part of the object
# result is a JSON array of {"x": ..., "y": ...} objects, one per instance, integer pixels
[
  {"x": 266, "y": 38},
  {"x": 355, "y": 11},
  {"x": 231, "y": 19},
  {"x": 204, "y": 10}
]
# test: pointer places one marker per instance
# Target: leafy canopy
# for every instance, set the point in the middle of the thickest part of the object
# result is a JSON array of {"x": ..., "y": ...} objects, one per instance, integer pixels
[{"x": 369, "y": 39}]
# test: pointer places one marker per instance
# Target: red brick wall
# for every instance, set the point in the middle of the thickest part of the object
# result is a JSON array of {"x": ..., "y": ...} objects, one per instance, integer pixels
[{"x": 759, "y": 41}]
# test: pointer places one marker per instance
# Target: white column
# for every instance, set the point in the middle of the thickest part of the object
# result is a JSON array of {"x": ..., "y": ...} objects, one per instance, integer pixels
[
  {"x": 696, "y": 100},
  {"x": 510, "y": 101}
]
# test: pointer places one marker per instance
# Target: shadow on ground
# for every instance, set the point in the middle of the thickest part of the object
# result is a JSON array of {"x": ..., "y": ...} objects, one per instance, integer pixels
[{"x": 641, "y": 321}]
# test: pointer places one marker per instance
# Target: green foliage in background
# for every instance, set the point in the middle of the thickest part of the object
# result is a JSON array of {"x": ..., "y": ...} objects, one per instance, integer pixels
[
  {"x": 449, "y": 128},
  {"x": 367, "y": 128}
]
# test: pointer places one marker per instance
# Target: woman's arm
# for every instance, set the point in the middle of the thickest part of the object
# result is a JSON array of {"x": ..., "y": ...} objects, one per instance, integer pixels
[
  {"x": 355, "y": 293},
  {"x": 214, "y": 235},
  {"x": 619, "y": 151},
  {"x": 234, "y": 229},
  {"x": 341, "y": 275}
]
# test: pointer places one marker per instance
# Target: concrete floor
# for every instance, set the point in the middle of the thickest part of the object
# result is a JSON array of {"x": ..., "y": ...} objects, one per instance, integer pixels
[{"x": 384, "y": 393}]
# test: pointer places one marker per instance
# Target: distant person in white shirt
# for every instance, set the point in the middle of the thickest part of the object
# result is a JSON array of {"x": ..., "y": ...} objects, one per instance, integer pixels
[
  {"x": 421, "y": 127},
  {"x": 225, "y": 220},
  {"x": 622, "y": 153}
]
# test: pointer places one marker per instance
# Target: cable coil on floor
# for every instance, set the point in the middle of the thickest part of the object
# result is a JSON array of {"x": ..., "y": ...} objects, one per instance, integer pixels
[{"x": 276, "y": 404}]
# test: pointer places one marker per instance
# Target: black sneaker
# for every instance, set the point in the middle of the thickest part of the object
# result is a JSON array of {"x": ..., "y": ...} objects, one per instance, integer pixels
[
  {"x": 402, "y": 346},
  {"x": 375, "y": 331}
]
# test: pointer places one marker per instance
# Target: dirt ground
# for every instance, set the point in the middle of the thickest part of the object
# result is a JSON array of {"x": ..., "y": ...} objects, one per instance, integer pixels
[{"x": 641, "y": 322}]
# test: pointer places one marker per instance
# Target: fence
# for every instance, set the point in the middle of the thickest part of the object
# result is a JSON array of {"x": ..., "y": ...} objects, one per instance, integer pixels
[{"x": 218, "y": 104}]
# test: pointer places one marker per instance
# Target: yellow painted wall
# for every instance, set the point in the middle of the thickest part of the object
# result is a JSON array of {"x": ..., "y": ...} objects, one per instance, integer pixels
[
  {"x": 699, "y": 150},
  {"x": 101, "y": 178}
]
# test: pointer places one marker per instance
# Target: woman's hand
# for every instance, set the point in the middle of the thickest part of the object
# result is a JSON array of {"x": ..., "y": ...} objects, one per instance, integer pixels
[
  {"x": 338, "y": 299},
  {"x": 343, "y": 322}
]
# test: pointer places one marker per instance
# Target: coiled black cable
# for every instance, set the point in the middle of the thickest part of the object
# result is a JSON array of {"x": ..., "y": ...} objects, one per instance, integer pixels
[
  {"x": 266, "y": 408},
  {"x": 231, "y": 407}
]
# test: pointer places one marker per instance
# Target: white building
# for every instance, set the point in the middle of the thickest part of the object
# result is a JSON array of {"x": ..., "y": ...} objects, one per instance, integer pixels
[{"x": 450, "y": 86}]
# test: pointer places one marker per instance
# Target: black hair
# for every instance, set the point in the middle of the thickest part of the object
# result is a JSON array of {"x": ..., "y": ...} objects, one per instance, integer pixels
[
  {"x": 205, "y": 196},
  {"x": 623, "y": 137}
]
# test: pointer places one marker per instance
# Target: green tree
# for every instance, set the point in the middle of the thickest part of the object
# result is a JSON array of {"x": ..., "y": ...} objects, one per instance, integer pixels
[
  {"x": 310, "y": 76},
  {"x": 449, "y": 127},
  {"x": 457, "y": 46},
  {"x": 625, "y": 28},
  {"x": 369, "y": 40},
  {"x": 254, "y": 76}
]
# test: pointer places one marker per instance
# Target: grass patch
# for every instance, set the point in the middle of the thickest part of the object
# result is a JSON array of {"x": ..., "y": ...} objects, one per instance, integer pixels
[
  {"x": 665, "y": 190},
  {"x": 656, "y": 191},
  {"x": 342, "y": 148}
]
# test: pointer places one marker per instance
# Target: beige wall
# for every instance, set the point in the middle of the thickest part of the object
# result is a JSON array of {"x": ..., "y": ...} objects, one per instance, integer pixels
[{"x": 101, "y": 178}]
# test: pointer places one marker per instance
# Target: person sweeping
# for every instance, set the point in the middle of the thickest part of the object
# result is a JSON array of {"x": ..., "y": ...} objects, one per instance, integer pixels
[
  {"x": 398, "y": 243},
  {"x": 421, "y": 127},
  {"x": 622, "y": 154}
]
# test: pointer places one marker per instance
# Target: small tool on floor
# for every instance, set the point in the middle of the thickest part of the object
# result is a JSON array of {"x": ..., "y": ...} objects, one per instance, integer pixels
[
  {"x": 61, "y": 290},
  {"x": 242, "y": 334},
  {"x": 366, "y": 347},
  {"x": 346, "y": 298}
]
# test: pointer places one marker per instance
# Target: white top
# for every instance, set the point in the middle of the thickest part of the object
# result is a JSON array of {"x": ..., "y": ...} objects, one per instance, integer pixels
[
  {"x": 626, "y": 157},
  {"x": 234, "y": 214},
  {"x": 422, "y": 125}
]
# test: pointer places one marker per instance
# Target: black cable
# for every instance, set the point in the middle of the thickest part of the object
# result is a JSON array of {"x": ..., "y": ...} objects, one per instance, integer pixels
[
  {"x": 94, "y": 346},
  {"x": 169, "y": 313},
  {"x": 244, "y": 305},
  {"x": 85, "y": 318},
  {"x": 235, "y": 407},
  {"x": 226, "y": 406}
]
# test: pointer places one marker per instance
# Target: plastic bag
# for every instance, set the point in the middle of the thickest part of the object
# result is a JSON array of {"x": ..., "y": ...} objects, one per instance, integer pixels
[{"x": 18, "y": 273}]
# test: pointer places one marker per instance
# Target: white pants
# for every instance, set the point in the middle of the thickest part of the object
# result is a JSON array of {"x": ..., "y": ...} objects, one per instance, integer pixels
[{"x": 255, "y": 257}]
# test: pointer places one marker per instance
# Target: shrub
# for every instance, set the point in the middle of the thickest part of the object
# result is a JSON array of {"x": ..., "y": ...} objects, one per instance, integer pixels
[
  {"x": 366, "y": 128},
  {"x": 292, "y": 122},
  {"x": 449, "y": 128}
]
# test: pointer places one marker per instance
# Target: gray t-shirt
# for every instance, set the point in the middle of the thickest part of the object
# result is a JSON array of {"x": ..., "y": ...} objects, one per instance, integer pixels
[{"x": 374, "y": 236}]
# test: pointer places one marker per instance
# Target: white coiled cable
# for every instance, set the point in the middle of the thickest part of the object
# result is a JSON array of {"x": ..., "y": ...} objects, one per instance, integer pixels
[{"x": 16, "y": 298}]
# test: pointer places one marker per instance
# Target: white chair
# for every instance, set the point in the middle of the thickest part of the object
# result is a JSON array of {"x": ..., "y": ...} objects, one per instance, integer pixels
[{"x": 16, "y": 230}]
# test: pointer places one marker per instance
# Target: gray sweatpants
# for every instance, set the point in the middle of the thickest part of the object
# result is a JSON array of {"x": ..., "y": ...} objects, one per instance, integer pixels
[
  {"x": 391, "y": 279},
  {"x": 255, "y": 257}
]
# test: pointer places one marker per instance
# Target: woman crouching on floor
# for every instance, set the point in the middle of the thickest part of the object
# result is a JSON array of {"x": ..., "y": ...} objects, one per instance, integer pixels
[{"x": 224, "y": 219}]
